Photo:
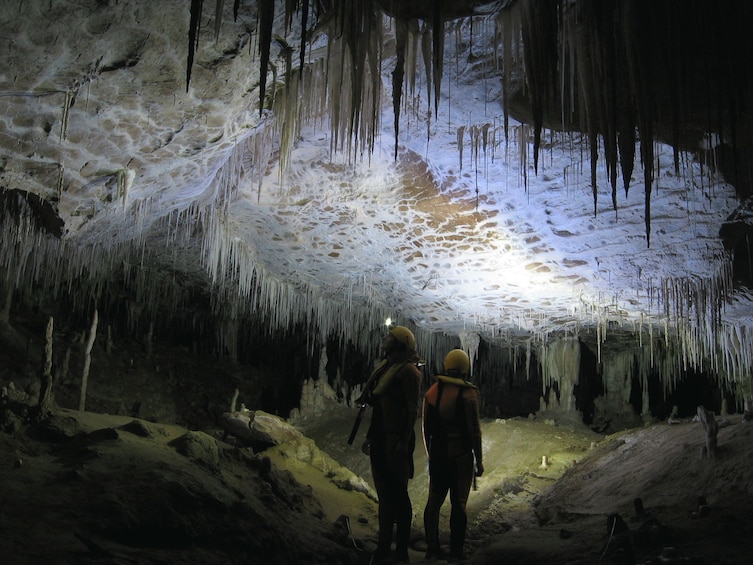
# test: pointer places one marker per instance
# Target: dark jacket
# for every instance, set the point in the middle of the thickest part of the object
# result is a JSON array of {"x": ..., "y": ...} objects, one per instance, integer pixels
[{"x": 393, "y": 392}]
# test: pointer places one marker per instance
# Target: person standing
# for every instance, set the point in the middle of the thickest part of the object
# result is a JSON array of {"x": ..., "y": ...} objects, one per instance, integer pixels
[
  {"x": 452, "y": 439},
  {"x": 393, "y": 392}
]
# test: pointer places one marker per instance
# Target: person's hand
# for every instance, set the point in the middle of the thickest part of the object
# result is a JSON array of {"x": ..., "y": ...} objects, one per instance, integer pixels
[
  {"x": 479, "y": 468},
  {"x": 366, "y": 447},
  {"x": 364, "y": 399}
]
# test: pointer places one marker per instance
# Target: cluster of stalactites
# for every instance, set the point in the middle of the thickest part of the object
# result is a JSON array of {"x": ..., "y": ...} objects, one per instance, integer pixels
[
  {"x": 612, "y": 69},
  {"x": 665, "y": 359},
  {"x": 687, "y": 332},
  {"x": 560, "y": 362},
  {"x": 670, "y": 356},
  {"x": 344, "y": 82},
  {"x": 41, "y": 267}
]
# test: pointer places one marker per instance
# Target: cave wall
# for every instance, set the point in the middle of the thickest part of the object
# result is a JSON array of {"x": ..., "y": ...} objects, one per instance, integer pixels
[{"x": 174, "y": 380}]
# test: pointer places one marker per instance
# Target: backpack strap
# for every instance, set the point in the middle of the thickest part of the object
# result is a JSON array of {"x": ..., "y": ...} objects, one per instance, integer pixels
[{"x": 440, "y": 389}]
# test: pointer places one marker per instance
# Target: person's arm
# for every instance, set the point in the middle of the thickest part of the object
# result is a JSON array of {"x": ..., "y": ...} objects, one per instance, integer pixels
[
  {"x": 424, "y": 430},
  {"x": 411, "y": 385},
  {"x": 410, "y": 382},
  {"x": 473, "y": 423}
]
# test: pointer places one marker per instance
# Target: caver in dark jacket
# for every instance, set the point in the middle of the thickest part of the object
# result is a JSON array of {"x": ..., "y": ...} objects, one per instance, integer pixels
[{"x": 393, "y": 392}]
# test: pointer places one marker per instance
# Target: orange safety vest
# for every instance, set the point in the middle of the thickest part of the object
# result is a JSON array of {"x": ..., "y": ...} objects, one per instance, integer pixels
[{"x": 446, "y": 428}]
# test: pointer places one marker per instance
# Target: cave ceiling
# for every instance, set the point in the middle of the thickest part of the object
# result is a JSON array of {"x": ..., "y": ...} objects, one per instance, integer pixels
[{"x": 558, "y": 170}]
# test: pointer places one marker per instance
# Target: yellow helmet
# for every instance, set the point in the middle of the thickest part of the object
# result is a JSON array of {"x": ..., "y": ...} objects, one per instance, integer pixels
[
  {"x": 457, "y": 361},
  {"x": 404, "y": 336}
]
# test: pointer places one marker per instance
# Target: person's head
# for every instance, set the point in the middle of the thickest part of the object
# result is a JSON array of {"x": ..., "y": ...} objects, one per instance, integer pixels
[
  {"x": 398, "y": 338},
  {"x": 457, "y": 364}
]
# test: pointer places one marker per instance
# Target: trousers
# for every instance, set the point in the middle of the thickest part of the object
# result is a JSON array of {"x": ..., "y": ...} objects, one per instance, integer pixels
[{"x": 453, "y": 475}]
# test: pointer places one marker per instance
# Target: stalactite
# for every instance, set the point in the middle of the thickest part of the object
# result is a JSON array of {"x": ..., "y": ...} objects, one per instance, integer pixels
[
  {"x": 193, "y": 36},
  {"x": 411, "y": 57},
  {"x": 401, "y": 37},
  {"x": 528, "y": 359},
  {"x": 540, "y": 40},
  {"x": 522, "y": 139},
  {"x": 426, "y": 51},
  {"x": 470, "y": 342},
  {"x": 485, "y": 139},
  {"x": 508, "y": 23},
  {"x": 460, "y": 137},
  {"x": 560, "y": 365},
  {"x": 304, "y": 32},
  {"x": 218, "y": 9},
  {"x": 266, "y": 21},
  {"x": 437, "y": 54}
]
